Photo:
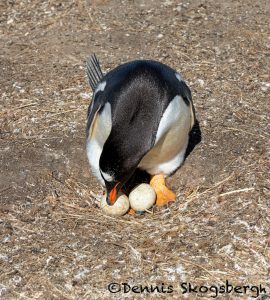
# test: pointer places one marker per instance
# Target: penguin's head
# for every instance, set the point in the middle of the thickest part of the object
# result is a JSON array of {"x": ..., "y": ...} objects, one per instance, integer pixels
[
  {"x": 114, "y": 181},
  {"x": 115, "y": 170},
  {"x": 112, "y": 188}
]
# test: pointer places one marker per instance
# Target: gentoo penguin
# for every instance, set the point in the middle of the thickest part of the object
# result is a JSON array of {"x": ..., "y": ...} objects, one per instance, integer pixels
[{"x": 140, "y": 117}]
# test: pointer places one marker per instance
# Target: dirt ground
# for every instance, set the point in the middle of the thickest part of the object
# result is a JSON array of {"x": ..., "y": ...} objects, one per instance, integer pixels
[{"x": 55, "y": 241}]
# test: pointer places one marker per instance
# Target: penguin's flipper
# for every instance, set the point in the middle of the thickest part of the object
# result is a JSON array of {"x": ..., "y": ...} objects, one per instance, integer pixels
[
  {"x": 94, "y": 72},
  {"x": 164, "y": 195}
]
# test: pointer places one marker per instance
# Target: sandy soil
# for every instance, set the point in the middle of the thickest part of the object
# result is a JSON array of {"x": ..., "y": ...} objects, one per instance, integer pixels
[{"x": 55, "y": 241}]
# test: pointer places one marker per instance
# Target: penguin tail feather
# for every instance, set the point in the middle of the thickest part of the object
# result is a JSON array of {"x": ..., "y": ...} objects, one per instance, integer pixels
[{"x": 93, "y": 71}]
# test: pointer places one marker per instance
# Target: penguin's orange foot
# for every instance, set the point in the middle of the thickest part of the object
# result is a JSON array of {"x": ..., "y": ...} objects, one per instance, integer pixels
[{"x": 164, "y": 195}]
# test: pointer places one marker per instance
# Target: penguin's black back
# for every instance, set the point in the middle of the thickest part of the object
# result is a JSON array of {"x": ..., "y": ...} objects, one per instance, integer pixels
[{"x": 163, "y": 75}]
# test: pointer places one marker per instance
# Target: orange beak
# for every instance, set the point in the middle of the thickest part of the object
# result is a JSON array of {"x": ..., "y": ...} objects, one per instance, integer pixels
[{"x": 113, "y": 194}]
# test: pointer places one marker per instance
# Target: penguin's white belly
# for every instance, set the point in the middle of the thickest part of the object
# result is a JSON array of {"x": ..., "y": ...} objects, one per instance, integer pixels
[{"x": 171, "y": 140}]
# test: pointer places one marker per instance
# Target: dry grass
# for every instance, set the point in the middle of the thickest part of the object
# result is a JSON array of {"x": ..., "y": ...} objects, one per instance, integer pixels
[{"x": 55, "y": 241}]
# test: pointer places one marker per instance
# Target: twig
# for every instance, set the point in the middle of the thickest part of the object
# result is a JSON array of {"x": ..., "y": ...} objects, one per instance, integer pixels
[
  {"x": 212, "y": 188},
  {"x": 250, "y": 133},
  {"x": 5, "y": 189},
  {"x": 196, "y": 265},
  {"x": 75, "y": 206},
  {"x": 236, "y": 191},
  {"x": 21, "y": 107},
  {"x": 81, "y": 217},
  {"x": 62, "y": 112},
  {"x": 26, "y": 105},
  {"x": 22, "y": 296}
]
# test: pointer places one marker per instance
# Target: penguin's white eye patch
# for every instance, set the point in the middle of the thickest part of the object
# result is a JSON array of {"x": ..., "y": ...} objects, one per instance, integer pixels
[
  {"x": 107, "y": 176},
  {"x": 179, "y": 76},
  {"x": 101, "y": 87}
]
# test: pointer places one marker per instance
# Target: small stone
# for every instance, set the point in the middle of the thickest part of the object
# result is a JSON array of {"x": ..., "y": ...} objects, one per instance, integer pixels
[
  {"x": 265, "y": 86},
  {"x": 201, "y": 82}
]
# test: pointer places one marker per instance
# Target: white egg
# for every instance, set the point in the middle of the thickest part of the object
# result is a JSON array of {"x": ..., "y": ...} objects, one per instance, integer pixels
[
  {"x": 142, "y": 197},
  {"x": 120, "y": 207}
]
